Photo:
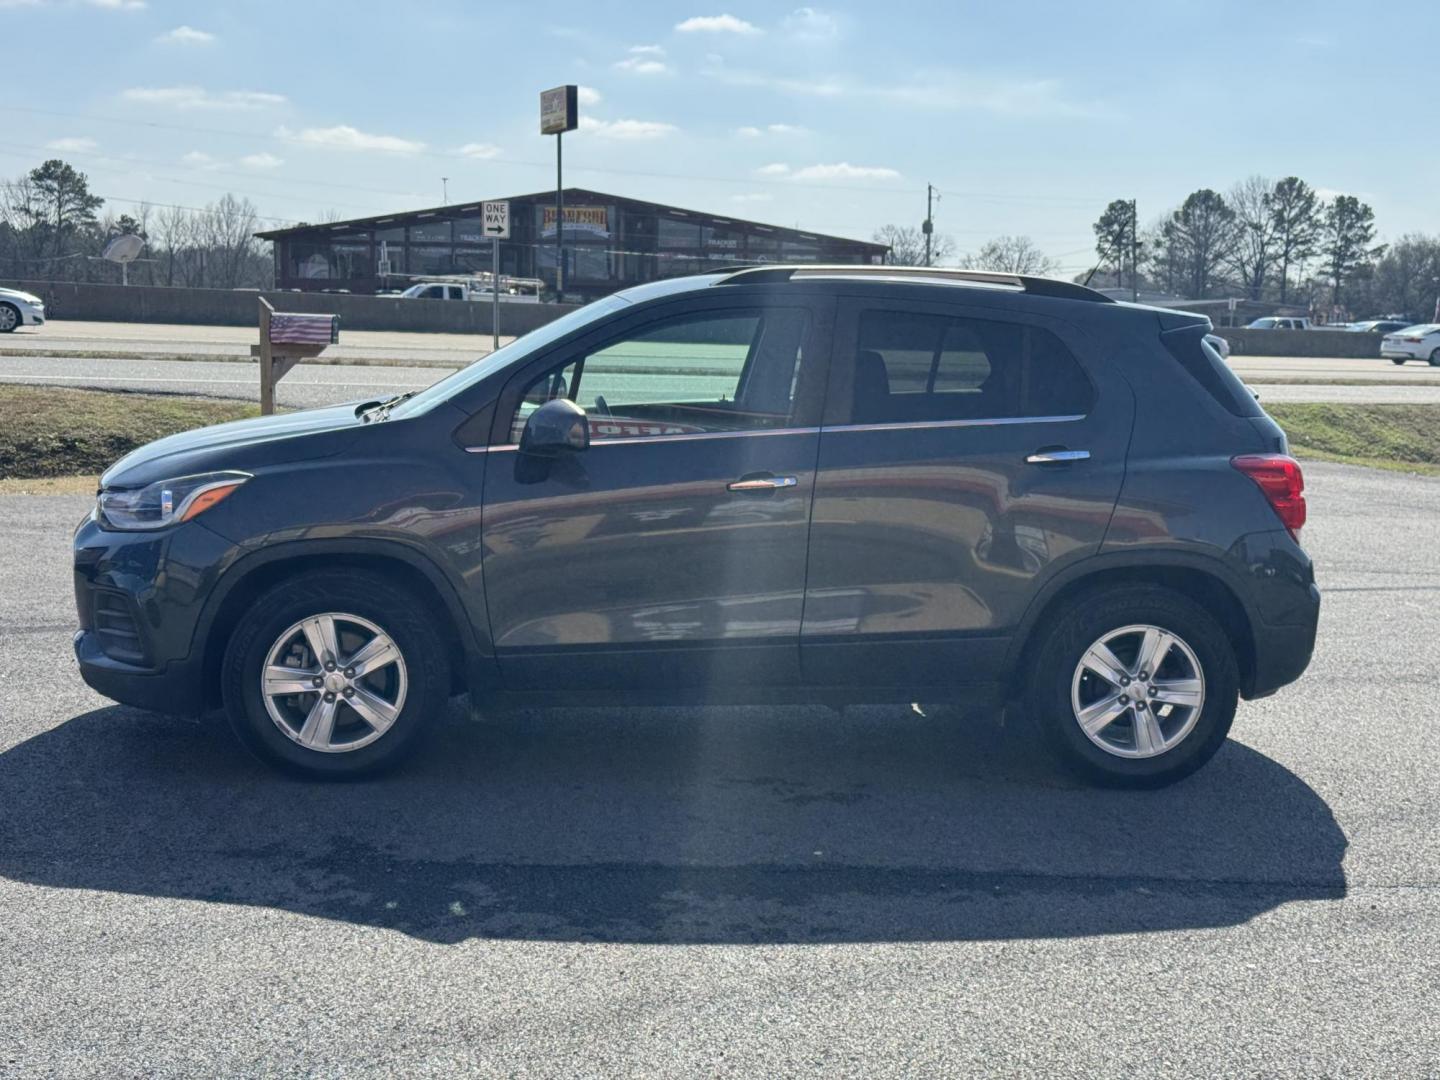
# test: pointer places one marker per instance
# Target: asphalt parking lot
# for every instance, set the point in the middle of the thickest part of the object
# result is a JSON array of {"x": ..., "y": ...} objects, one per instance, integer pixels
[{"x": 734, "y": 891}]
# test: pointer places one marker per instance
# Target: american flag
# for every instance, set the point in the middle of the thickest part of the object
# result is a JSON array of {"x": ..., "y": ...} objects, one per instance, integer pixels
[{"x": 295, "y": 328}]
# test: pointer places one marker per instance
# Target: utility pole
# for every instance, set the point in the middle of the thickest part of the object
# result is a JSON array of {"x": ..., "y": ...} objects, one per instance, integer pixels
[
  {"x": 444, "y": 191},
  {"x": 928, "y": 228}
]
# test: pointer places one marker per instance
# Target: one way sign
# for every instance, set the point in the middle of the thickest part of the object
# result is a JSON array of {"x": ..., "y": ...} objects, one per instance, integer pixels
[{"x": 496, "y": 217}]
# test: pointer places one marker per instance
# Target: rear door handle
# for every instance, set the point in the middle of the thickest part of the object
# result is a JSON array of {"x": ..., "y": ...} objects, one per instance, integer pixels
[
  {"x": 1057, "y": 456},
  {"x": 762, "y": 483}
]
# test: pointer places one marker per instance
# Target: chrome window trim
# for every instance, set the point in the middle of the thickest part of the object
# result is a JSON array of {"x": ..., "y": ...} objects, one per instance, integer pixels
[
  {"x": 686, "y": 437},
  {"x": 910, "y": 425},
  {"x": 913, "y": 425}
]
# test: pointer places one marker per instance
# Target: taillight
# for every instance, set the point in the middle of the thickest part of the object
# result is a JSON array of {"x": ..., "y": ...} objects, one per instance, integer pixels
[{"x": 1280, "y": 480}]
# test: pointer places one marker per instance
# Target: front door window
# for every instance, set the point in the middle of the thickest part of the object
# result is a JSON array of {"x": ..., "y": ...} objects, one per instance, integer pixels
[{"x": 728, "y": 371}]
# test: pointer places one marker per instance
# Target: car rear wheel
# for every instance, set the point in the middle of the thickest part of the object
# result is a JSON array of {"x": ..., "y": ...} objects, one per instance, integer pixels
[
  {"x": 1435, "y": 358},
  {"x": 1134, "y": 686},
  {"x": 9, "y": 318},
  {"x": 335, "y": 674}
]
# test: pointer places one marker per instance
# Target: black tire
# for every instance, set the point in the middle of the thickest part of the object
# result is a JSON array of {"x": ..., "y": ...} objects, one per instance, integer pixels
[
  {"x": 1398, "y": 361},
  {"x": 1087, "y": 618},
  {"x": 1435, "y": 358},
  {"x": 10, "y": 318},
  {"x": 406, "y": 621}
]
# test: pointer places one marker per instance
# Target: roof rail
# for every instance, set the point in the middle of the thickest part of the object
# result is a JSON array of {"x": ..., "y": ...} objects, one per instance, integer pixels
[{"x": 1036, "y": 286}]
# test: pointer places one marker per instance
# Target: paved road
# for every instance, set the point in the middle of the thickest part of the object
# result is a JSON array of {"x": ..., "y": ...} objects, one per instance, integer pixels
[
  {"x": 311, "y": 385},
  {"x": 170, "y": 339},
  {"x": 752, "y": 892},
  {"x": 135, "y": 340}
]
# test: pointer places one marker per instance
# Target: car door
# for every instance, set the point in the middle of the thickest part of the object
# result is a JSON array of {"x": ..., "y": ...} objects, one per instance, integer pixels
[
  {"x": 967, "y": 454},
  {"x": 671, "y": 552}
]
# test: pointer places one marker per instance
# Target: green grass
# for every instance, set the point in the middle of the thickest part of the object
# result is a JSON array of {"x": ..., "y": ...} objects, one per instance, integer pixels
[
  {"x": 1402, "y": 437},
  {"x": 50, "y": 432}
]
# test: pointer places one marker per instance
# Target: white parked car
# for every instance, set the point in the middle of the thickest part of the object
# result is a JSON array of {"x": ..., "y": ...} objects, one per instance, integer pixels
[
  {"x": 20, "y": 309},
  {"x": 1419, "y": 342}
]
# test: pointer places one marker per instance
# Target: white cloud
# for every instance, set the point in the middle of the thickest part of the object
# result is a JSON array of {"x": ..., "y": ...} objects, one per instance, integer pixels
[
  {"x": 345, "y": 137},
  {"x": 186, "y": 35},
  {"x": 716, "y": 24},
  {"x": 198, "y": 159},
  {"x": 626, "y": 129},
  {"x": 72, "y": 144},
  {"x": 752, "y": 197},
  {"x": 643, "y": 65},
  {"x": 194, "y": 97},
  {"x": 118, "y": 5},
  {"x": 752, "y": 132},
  {"x": 647, "y": 50},
  {"x": 812, "y": 24},
  {"x": 588, "y": 95},
  {"x": 479, "y": 150},
  {"x": 946, "y": 90},
  {"x": 261, "y": 160},
  {"x": 844, "y": 171},
  {"x": 839, "y": 171}
]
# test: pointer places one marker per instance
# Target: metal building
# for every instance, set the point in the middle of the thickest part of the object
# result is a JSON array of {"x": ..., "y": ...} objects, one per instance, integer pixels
[{"x": 610, "y": 242}]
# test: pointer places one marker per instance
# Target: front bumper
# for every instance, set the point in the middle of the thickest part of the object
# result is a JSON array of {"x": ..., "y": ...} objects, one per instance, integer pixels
[
  {"x": 139, "y": 597},
  {"x": 178, "y": 688}
]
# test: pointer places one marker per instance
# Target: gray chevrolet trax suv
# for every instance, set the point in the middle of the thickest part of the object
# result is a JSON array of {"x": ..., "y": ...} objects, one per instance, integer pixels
[{"x": 772, "y": 484}]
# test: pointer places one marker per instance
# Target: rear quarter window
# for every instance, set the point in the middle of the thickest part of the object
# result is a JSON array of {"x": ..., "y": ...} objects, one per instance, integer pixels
[{"x": 1203, "y": 364}]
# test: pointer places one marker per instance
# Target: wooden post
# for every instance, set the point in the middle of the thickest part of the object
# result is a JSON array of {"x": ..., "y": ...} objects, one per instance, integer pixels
[{"x": 267, "y": 357}]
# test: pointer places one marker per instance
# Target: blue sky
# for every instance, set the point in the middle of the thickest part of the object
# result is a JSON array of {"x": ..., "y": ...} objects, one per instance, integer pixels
[{"x": 1028, "y": 117}]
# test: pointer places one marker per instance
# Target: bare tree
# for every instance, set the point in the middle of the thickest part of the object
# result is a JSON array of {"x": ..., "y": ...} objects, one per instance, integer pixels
[
  {"x": 907, "y": 245},
  {"x": 1012, "y": 255},
  {"x": 1253, "y": 252}
]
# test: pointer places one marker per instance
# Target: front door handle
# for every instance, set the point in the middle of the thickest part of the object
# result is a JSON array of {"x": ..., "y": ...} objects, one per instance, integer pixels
[
  {"x": 762, "y": 483},
  {"x": 1057, "y": 456}
]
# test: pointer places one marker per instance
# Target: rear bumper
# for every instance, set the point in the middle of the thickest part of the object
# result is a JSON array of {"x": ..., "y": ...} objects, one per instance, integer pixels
[{"x": 1282, "y": 653}]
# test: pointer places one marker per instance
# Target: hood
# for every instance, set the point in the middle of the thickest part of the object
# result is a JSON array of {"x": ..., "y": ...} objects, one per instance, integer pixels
[
  {"x": 20, "y": 294},
  {"x": 245, "y": 445}
]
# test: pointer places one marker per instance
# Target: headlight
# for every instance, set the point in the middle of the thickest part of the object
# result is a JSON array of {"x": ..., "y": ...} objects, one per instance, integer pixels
[{"x": 166, "y": 502}]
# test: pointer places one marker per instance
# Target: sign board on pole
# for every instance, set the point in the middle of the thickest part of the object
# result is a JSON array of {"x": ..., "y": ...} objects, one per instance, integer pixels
[
  {"x": 496, "y": 218},
  {"x": 559, "y": 109}
]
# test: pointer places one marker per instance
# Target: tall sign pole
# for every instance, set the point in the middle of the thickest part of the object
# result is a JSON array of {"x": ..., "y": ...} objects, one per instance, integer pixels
[
  {"x": 559, "y": 113},
  {"x": 495, "y": 218}
]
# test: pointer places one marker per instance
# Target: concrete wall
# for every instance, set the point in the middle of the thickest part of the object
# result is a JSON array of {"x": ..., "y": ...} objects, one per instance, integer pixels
[
  {"x": 225, "y": 307},
  {"x": 1341, "y": 343}
]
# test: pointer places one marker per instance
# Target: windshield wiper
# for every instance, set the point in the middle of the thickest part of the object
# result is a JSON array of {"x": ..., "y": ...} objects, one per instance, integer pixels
[{"x": 380, "y": 410}]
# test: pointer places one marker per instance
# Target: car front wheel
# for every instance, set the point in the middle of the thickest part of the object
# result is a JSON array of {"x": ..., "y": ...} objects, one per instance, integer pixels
[
  {"x": 1133, "y": 686},
  {"x": 9, "y": 318},
  {"x": 335, "y": 674}
]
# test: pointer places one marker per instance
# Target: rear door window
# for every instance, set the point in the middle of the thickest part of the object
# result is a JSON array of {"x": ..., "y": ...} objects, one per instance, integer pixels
[{"x": 917, "y": 367}]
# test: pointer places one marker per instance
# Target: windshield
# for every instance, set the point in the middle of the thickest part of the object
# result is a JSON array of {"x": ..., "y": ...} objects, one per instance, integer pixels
[
  {"x": 538, "y": 338},
  {"x": 1420, "y": 329}
]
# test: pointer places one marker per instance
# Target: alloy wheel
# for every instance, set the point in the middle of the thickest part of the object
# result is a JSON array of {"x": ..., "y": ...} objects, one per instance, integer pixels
[
  {"x": 334, "y": 683},
  {"x": 1138, "y": 691},
  {"x": 9, "y": 319}
]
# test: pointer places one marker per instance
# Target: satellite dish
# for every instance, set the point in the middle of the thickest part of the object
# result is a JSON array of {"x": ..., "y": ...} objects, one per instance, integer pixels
[{"x": 124, "y": 248}]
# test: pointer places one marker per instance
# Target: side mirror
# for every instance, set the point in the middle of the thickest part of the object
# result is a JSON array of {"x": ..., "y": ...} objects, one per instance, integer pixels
[{"x": 555, "y": 427}]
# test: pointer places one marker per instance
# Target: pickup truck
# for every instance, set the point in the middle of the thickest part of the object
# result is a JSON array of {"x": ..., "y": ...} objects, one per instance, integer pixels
[
  {"x": 1279, "y": 322},
  {"x": 512, "y": 291}
]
